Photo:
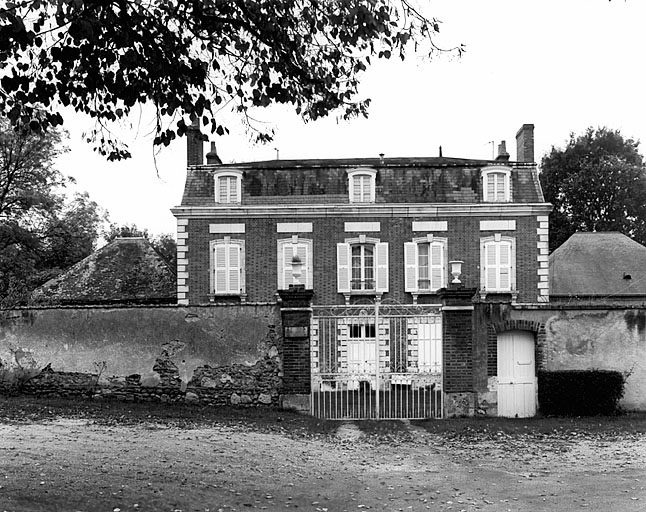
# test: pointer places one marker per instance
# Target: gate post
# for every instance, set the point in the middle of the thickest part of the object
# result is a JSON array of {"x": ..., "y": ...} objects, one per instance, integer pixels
[
  {"x": 296, "y": 313},
  {"x": 457, "y": 346}
]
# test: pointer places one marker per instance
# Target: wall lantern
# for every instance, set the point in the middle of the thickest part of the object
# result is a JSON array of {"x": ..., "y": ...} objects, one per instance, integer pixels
[
  {"x": 456, "y": 271},
  {"x": 297, "y": 269}
]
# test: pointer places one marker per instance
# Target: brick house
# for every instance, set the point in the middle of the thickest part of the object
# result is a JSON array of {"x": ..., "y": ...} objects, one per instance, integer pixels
[{"x": 388, "y": 272}]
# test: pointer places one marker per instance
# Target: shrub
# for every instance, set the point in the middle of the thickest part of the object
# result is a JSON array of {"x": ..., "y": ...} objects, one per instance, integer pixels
[{"x": 580, "y": 392}]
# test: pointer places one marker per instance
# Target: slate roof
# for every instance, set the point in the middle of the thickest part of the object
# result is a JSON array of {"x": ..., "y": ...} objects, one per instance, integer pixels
[
  {"x": 598, "y": 265},
  {"x": 125, "y": 271},
  {"x": 399, "y": 180}
]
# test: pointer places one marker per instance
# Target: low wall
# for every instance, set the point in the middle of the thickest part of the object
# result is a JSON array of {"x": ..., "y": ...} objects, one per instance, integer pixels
[{"x": 212, "y": 354}]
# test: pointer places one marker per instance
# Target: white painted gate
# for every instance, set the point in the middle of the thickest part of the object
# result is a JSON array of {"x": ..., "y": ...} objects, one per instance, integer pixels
[{"x": 516, "y": 375}]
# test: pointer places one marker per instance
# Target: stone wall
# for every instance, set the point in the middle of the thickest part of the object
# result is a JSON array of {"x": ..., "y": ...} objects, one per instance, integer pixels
[{"x": 211, "y": 355}]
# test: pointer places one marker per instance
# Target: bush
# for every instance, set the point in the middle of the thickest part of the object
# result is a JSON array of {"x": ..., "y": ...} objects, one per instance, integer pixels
[{"x": 580, "y": 392}]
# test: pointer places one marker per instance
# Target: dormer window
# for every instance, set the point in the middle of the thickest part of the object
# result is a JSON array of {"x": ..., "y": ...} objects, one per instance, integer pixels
[
  {"x": 362, "y": 185},
  {"x": 496, "y": 185},
  {"x": 228, "y": 187}
]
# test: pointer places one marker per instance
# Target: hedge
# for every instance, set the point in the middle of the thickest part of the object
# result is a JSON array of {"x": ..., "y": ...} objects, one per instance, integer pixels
[{"x": 580, "y": 392}]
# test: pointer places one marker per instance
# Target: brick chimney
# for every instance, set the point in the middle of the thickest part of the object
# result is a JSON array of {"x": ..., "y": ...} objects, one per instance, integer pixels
[
  {"x": 194, "y": 144},
  {"x": 212, "y": 157},
  {"x": 525, "y": 143},
  {"x": 503, "y": 156}
]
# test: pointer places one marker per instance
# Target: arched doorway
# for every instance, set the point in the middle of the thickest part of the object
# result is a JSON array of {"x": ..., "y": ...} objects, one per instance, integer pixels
[{"x": 516, "y": 374}]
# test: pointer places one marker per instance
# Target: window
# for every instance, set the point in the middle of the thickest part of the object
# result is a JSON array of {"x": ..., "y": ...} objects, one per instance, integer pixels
[
  {"x": 362, "y": 185},
  {"x": 362, "y": 266},
  {"x": 228, "y": 187},
  {"x": 227, "y": 267},
  {"x": 496, "y": 185},
  {"x": 425, "y": 260},
  {"x": 498, "y": 261},
  {"x": 287, "y": 249}
]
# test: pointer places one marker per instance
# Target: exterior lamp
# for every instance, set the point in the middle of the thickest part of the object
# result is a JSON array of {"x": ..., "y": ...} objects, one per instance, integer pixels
[
  {"x": 297, "y": 269},
  {"x": 456, "y": 271}
]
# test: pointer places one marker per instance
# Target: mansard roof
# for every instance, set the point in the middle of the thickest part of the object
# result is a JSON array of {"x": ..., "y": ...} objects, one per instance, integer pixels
[{"x": 399, "y": 180}]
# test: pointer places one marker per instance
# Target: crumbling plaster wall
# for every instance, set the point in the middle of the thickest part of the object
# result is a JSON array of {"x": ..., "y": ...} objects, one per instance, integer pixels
[
  {"x": 601, "y": 339},
  {"x": 164, "y": 346}
]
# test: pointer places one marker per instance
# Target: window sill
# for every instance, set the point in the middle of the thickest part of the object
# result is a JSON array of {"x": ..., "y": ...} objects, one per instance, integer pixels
[
  {"x": 360, "y": 293},
  {"x": 215, "y": 296}
]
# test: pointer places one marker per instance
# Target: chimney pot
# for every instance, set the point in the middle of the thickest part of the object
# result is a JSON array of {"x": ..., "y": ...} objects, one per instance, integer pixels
[
  {"x": 212, "y": 157},
  {"x": 503, "y": 156},
  {"x": 525, "y": 143}
]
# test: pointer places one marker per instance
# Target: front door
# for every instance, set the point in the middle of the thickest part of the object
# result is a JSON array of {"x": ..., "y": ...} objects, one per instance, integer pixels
[
  {"x": 361, "y": 353},
  {"x": 516, "y": 375}
]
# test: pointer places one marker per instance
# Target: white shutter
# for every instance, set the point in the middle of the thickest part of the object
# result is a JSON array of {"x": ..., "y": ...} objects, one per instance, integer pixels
[
  {"x": 309, "y": 266},
  {"x": 410, "y": 266},
  {"x": 220, "y": 269},
  {"x": 301, "y": 251},
  {"x": 235, "y": 281},
  {"x": 491, "y": 266},
  {"x": 343, "y": 267},
  {"x": 504, "y": 266},
  {"x": 381, "y": 267},
  {"x": 280, "y": 264},
  {"x": 436, "y": 264}
]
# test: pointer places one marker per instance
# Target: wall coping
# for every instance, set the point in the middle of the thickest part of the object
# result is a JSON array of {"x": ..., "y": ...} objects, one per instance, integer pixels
[{"x": 133, "y": 306}]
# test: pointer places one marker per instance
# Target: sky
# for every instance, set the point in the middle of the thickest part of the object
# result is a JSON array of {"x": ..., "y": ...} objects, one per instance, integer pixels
[{"x": 560, "y": 65}]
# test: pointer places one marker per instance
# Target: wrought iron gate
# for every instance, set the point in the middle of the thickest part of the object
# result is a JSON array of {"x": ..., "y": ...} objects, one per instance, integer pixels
[{"x": 376, "y": 362}]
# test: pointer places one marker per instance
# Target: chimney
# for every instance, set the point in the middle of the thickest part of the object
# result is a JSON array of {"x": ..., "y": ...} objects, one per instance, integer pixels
[
  {"x": 212, "y": 157},
  {"x": 194, "y": 144},
  {"x": 503, "y": 156},
  {"x": 525, "y": 143}
]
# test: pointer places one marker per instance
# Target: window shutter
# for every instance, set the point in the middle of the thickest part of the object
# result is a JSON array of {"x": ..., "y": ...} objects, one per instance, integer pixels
[
  {"x": 220, "y": 269},
  {"x": 381, "y": 268},
  {"x": 309, "y": 267},
  {"x": 343, "y": 267},
  {"x": 491, "y": 267},
  {"x": 280, "y": 265},
  {"x": 234, "y": 269},
  {"x": 301, "y": 251},
  {"x": 437, "y": 265},
  {"x": 491, "y": 180},
  {"x": 410, "y": 266},
  {"x": 504, "y": 265}
]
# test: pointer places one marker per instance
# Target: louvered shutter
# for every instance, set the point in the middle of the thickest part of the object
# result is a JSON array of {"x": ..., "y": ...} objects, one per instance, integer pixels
[
  {"x": 491, "y": 267},
  {"x": 302, "y": 252},
  {"x": 220, "y": 269},
  {"x": 343, "y": 267},
  {"x": 235, "y": 281},
  {"x": 504, "y": 266},
  {"x": 381, "y": 267},
  {"x": 436, "y": 263},
  {"x": 410, "y": 266},
  {"x": 280, "y": 265}
]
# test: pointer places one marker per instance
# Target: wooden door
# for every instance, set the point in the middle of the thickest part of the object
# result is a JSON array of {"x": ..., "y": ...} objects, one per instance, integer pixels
[{"x": 516, "y": 375}]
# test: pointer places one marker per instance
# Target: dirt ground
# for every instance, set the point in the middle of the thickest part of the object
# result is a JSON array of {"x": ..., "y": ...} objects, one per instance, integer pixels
[{"x": 78, "y": 456}]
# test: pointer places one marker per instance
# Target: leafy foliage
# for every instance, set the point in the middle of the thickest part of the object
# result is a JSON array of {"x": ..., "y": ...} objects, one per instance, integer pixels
[
  {"x": 596, "y": 183},
  {"x": 191, "y": 59},
  {"x": 41, "y": 233},
  {"x": 580, "y": 392}
]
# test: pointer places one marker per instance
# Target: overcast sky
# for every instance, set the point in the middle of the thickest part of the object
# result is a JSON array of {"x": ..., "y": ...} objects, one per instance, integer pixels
[{"x": 561, "y": 65}]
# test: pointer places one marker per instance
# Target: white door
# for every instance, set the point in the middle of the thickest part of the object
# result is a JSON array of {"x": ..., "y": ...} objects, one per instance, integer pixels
[
  {"x": 516, "y": 375},
  {"x": 361, "y": 348}
]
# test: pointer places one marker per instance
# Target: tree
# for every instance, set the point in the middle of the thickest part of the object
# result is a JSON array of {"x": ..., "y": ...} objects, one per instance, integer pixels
[
  {"x": 596, "y": 183},
  {"x": 192, "y": 58},
  {"x": 41, "y": 232}
]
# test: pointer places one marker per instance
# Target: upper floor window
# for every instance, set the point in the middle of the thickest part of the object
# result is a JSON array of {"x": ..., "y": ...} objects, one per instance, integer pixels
[
  {"x": 362, "y": 185},
  {"x": 228, "y": 187},
  {"x": 287, "y": 249},
  {"x": 425, "y": 260},
  {"x": 362, "y": 266},
  {"x": 496, "y": 184},
  {"x": 498, "y": 264},
  {"x": 227, "y": 267}
]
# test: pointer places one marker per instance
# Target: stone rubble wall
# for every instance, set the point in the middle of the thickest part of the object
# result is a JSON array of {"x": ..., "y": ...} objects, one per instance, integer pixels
[{"x": 215, "y": 356}]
